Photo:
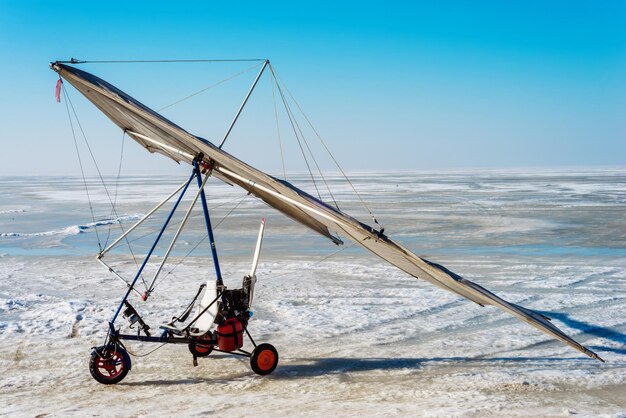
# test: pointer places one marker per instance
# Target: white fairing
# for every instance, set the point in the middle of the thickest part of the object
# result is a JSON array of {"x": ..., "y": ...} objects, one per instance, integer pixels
[{"x": 205, "y": 322}]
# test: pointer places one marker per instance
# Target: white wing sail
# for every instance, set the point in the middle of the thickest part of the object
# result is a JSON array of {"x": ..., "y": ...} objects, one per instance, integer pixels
[{"x": 157, "y": 134}]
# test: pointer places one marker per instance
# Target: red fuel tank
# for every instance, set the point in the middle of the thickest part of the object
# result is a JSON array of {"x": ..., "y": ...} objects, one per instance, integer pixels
[{"x": 230, "y": 335}]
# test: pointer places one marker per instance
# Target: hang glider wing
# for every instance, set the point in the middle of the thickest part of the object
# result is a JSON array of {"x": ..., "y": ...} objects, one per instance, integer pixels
[{"x": 157, "y": 134}]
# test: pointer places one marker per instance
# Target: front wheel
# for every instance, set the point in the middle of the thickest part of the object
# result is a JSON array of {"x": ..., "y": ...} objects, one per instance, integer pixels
[
  {"x": 109, "y": 364},
  {"x": 264, "y": 359}
]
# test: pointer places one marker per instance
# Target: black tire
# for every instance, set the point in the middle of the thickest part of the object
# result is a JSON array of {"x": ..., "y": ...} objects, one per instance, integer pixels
[
  {"x": 264, "y": 359},
  {"x": 109, "y": 364},
  {"x": 199, "y": 347}
]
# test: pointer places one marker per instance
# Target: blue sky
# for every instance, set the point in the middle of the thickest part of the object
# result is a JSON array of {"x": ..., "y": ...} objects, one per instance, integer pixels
[{"x": 389, "y": 85}]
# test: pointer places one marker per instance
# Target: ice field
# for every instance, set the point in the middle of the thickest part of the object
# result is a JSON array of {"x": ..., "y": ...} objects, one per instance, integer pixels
[{"x": 355, "y": 335}]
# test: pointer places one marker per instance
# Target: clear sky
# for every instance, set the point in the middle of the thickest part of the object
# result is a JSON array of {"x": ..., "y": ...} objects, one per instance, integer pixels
[{"x": 389, "y": 85}]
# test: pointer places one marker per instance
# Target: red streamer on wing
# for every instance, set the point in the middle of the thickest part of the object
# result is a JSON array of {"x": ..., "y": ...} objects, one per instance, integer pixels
[{"x": 57, "y": 92}]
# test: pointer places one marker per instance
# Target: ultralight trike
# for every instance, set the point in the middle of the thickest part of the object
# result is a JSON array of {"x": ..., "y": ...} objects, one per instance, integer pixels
[{"x": 228, "y": 310}]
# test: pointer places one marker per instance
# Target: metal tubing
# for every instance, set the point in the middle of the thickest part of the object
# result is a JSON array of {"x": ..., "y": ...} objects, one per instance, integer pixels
[
  {"x": 156, "y": 241},
  {"x": 117, "y": 275},
  {"x": 249, "y": 336},
  {"x": 161, "y": 339},
  {"x": 107, "y": 249},
  {"x": 161, "y": 144},
  {"x": 207, "y": 221},
  {"x": 178, "y": 231},
  {"x": 234, "y": 353},
  {"x": 232, "y": 124},
  {"x": 279, "y": 196}
]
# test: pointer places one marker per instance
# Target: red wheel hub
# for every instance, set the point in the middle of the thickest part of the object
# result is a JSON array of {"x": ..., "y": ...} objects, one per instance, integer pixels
[
  {"x": 266, "y": 360},
  {"x": 112, "y": 365}
]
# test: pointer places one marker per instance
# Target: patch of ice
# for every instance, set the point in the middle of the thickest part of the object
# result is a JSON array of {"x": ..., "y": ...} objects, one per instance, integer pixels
[{"x": 73, "y": 229}]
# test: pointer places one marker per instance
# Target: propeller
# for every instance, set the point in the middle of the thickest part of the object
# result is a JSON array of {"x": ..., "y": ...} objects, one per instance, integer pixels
[{"x": 250, "y": 279}]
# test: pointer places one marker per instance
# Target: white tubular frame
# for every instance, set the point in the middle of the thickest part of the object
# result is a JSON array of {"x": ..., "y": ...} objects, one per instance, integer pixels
[
  {"x": 232, "y": 124},
  {"x": 178, "y": 231},
  {"x": 162, "y": 145},
  {"x": 146, "y": 216},
  {"x": 280, "y": 196},
  {"x": 117, "y": 275}
]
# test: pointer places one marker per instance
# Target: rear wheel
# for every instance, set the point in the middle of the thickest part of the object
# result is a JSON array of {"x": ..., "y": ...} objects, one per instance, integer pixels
[
  {"x": 200, "y": 347},
  {"x": 109, "y": 364},
  {"x": 264, "y": 359}
]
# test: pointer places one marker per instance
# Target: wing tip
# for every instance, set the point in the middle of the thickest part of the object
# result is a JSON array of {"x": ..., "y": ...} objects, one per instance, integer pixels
[{"x": 594, "y": 356}]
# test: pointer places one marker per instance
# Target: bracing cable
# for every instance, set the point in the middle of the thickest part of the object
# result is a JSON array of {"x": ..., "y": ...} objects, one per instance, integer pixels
[
  {"x": 154, "y": 231},
  {"x": 241, "y": 199},
  {"x": 204, "y": 238},
  {"x": 145, "y": 354},
  {"x": 76, "y": 61},
  {"x": 117, "y": 186},
  {"x": 208, "y": 87},
  {"x": 282, "y": 96},
  {"x": 320, "y": 260},
  {"x": 280, "y": 144},
  {"x": 68, "y": 100},
  {"x": 80, "y": 163},
  {"x": 331, "y": 155},
  {"x": 306, "y": 143}
]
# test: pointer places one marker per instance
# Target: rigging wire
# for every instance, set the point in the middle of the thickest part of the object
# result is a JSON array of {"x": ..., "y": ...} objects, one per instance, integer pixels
[
  {"x": 145, "y": 354},
  {"x": 241, "y": 199},
  {"x": 209, "y": 87},
  {"x": 331, "y": 154},
  {"x": 80, "y": 163},
  {"x": 204, "y": 238},
  {"x": 306, "y": 143},
  {"x": 117, "y": 185},
  {"x": 76, "y": 61},
  {"x": 178, "y": 222},
  {"x": 280, "y": 144},
  {"x": 320, "y": 260},
  {"x": 68, "y": 100},
  {"x": 292, "y": 117},
  {"x": 297, "y": 137}
]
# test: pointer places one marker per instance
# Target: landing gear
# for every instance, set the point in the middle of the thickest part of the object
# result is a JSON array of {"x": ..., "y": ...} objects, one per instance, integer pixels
[
  {"x": 227, "y": 311},
  {"x": 264, "y": 359},
  {"x": 201, "y": 346},
  {"x": 109, "y": 364}
]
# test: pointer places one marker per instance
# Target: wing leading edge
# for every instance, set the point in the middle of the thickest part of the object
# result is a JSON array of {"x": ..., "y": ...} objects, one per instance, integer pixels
[{"x": 158, "y": 134}]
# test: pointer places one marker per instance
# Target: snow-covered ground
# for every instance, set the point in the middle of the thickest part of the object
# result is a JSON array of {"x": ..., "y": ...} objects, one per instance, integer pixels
[{"x": 355, "y": 336}]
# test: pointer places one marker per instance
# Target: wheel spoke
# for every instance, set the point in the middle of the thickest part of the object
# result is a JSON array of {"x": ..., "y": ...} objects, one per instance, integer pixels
[{"x": 109, "y": 364}]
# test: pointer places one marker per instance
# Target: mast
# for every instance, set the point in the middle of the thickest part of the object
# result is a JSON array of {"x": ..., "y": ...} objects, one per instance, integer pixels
[{"x": 232, "y": 124}]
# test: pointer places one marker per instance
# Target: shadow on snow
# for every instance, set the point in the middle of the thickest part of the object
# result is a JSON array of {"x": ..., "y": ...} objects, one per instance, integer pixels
[
  {"x": 590, "y": 329},
  {"x": 312, "y": 367}
]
